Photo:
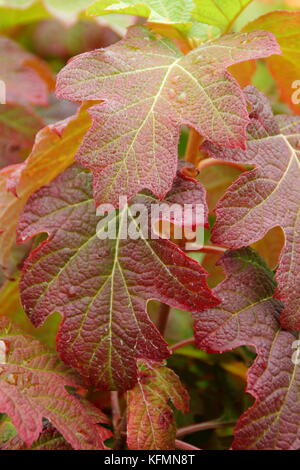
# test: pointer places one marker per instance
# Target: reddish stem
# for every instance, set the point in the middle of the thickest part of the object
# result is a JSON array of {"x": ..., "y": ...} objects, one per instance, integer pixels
[
  {"x": 203, "y": 427},
  {"x": 115, "y": 409},
  {"x": 181, "y": 344},
  {"x": 185, "y": 446},
  {"x": 210, "y": 249},
  {"x": 213, "y": 161},
  {"x": 193, "y": 146},
  {"x": 163, "y": 316}
]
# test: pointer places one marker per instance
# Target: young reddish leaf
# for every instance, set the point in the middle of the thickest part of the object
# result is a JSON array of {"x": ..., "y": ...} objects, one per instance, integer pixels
[
  {"x": 285, "y": 25},
  {"x": 266, "y": 196},
  {"x": 150, "y": 419},
  {"x": 49, "y": 439},
  {"x": 248, "y": 316},
  {"x": 145, "y": 84},
  {"x": 18, "y": 127},
  {"x": 53, "y": 151},
  {"x": 33, "y": 385},
  {"x": 21, "y": 67},
  {"x": 102, "y": 286}
]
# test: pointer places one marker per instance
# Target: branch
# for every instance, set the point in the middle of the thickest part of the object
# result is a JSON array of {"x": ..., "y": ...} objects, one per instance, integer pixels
[
  {"x": 209, "y": 249},
  {"x": 163, "y": 316},
  {"x": 185, "y": 445},
  {"x": 181, "y": 344},
  {"x": 213, "y": 161},
  {"x": 115, "y": 409},
  {"x": 193, "y": 145},
  {"x": 203, "y": 427}
]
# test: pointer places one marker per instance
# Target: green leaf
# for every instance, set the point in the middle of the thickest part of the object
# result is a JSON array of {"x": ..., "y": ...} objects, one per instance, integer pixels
[
  {"x": 221, "y": 13},
  {"x": 175, "y": 12},
  {"x": 66, "y": 10},
  {"x": 12, "y": 15}
]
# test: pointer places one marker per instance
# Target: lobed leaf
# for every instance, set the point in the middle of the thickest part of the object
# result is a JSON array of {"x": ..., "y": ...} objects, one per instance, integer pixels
[
  {"x": 150, "y": 419},
  {"x": 146, "y": 84},
  {"x": 248, "y": 315},
  {"x": 101, "y": 286},
  {"x": 33, "y": 386},
  {"x": 266, "y": 197}
]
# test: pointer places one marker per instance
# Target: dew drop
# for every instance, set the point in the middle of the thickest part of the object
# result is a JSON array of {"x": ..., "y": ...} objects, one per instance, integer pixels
[
  {"x": 182, "y": 97},
  {"x": 171, "y": 93},
  {"x": 72, "y": 291},
  {"x": 175, "y": 79}
]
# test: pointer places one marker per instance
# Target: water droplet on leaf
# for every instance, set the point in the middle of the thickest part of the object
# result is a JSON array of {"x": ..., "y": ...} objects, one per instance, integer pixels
[
  {"x": 182, "y": 97},
  {"x": 171, "y": 93}
]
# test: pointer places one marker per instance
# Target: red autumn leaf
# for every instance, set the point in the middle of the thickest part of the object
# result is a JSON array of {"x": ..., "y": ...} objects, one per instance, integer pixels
[
  {"x": 145, "y": 84},
  {"x": 266, "y": 197},
  {"x": 21, "y": 67},
  {"x": 248, "y": 315},
  {"x": 150, "y": 419},
  {"x": 101, "y": 287},
  {"x": 33, "y": 385}
]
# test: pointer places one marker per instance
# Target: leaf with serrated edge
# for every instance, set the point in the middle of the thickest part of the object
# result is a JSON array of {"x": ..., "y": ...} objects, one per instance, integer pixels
[
  {"x": 53, "y": 152},
  {"x": 150, "y": 419},
  {"x": 20, "y": 67},
  {"x": 248, "y": 316},
  {"x": 146, "y": 84},
  {"x": 176, "y": 12},
  {"x": 102, "y": 286},
  {"x": 266, "y": 196},
  {"x": 221, "y": 13},
  {"x": 285, "y": 25},
  {"x": 33, "y": 385}
]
